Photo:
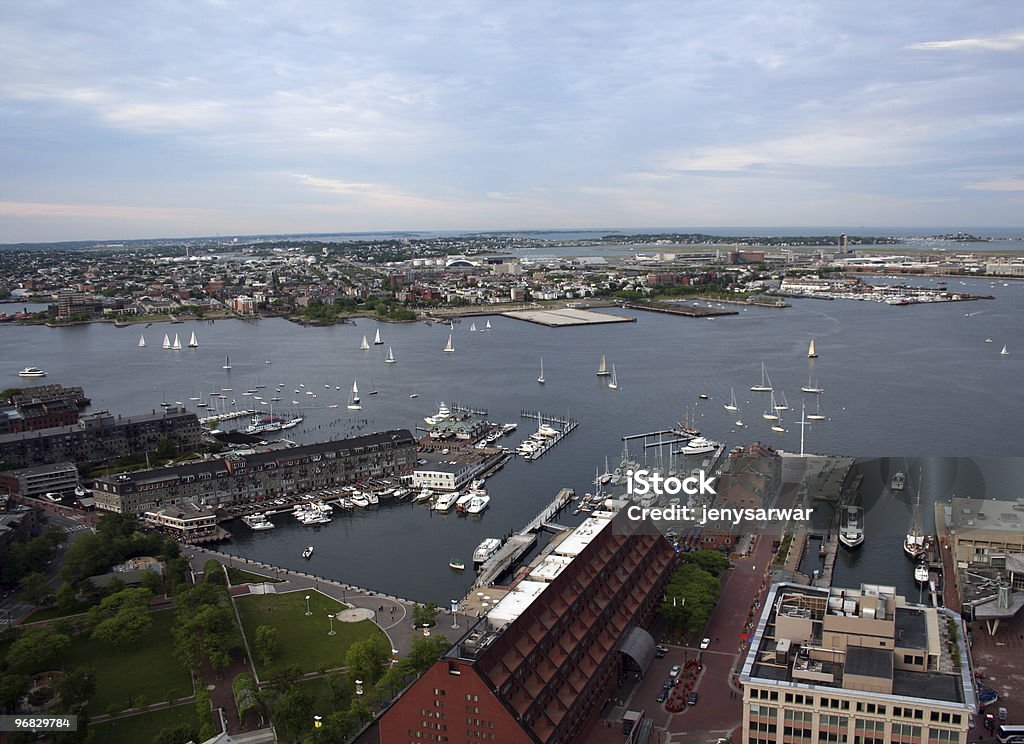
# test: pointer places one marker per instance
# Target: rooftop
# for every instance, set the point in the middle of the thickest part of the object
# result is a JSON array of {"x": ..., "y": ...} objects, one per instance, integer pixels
[{"x": 980, "y": 515}]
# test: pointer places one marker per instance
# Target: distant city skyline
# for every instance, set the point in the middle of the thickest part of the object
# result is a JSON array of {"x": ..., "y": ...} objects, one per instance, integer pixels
[{"x": 219, "y": 118}]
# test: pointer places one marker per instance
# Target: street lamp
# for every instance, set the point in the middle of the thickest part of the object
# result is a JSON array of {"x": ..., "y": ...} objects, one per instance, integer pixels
[
  {"x": 359, "y": 689},
  {"x": 318, "y": 722},
  {"x": 332, "y": 623},
  {"x": 455, "y": 617},
  {"x": 307, "y": 606},
  {"x": 426, "y": 632}
]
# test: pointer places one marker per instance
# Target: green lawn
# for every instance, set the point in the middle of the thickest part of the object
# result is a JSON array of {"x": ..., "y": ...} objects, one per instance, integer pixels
[
  {"x": 239, "y": 576},
  {"x": 302, "y": 640},
  {"x": 147, "y": 668},
  {"x": 52, "y": 613},
  {"x": 145, "y": 727}
]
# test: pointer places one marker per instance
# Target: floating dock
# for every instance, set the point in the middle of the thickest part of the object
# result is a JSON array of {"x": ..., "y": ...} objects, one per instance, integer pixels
[
  {"x": 686, "y": 310},
  {"x": 562, "y": 318}
]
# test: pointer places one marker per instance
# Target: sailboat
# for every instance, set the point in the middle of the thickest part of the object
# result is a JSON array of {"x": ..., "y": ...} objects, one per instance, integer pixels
[
  {"x": 914, "y": 543},
  {"x": 541, "y": 378},
  {"x": 811, "y": 354},
  {"x": 777, "y": 426},
  {"x": 783, "y": 405},
  {"x": 167, "y": 341},
  {"x": 1004, "y": 352},
  {"x": 354, "y": 403},
  {"x": 817, "y": 415},
  {"x": 614, "y": 382},
  {"x": 227, "y": 362},
  {"x": 177, "y": 343},
  {"x": 364, "y": 345},
  {"x": 449, "y": 346},
  {"x": 193, "y": 343},
  {"x": 390, "y": 359},
  {"x": 772, "y": 413},
  {"x": 487, "y": 326},
  {"x": 142, "y": 342},
  {"x": 731, "y": 405},
  {"x": 811, "y": 386},
  {"x": 472, "y": 327},
  {"x": 376, "y": 339},
  {"x": 602, "y": 368},
  {"x": 414, "y": 394},
  {"x": 766, "y": 383}
]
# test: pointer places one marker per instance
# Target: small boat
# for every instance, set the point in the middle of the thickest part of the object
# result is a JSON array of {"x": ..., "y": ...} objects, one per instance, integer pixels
[
  {"x": 921, "y": 572},
  {"x": 142, "y": 342},
  {"x": 414, "y": 394},
  {"x": 914, "y": 544},
  {"x": 308, "y": 552},
  {"x": 602, "y": 368},
  {"x": 354, "y": 403},
  {"x": 456, "y": 564},
  {"x": 541, "y": 378},
  {"x": 731, "y": 405},
  {"x": 777, "y": 427},
  {"x": 177, "y": 343},
  {"x": 851, "y": 528},
  {"x": 31, "y": 372},
  {"x": 193, "y": 343},
  {"x": 449, "y": 347},
  {"x": 817, "y": 415},
  {"x": 704, "y": 396},
  {"x": 766, "y": 382},
  {"x": 364, "y": 345},
  {"x": 167, "y": 341},
  {"x": 988, "y": 340},
  {"x": 227, "y": 362},
  {"x": 772, "y": 413},
  {"x": 376, "y": 339},
  {"x": 1004, "y": 352},
  {"x": 614, "y": 382},
  {"x": 487, "y": 326},
  {"x": 898, "y": 481},
  {"x": 739, "y": 423},
  {"x": 390, "y": 358},
  {"x": 472, "y": 328},
  {"x": 811, "y": 353}
]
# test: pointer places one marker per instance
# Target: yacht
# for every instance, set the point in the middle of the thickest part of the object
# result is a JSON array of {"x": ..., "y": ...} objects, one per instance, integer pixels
[
  {"x": 548, "y": 431},
  {"x": 31, "y": 372},
  {"x": 698, "y": 446},
  {"x": 731, "y": 405},
  {"x": 308, "y": 552},
  {"x": 442, "y": 414},
  {"x": 446, "y": 501},
  {"x": 851, "y": 529},
  {"x": 915, "y": 543},
  {"x": 463, "y": 502},
  {"x": 360, "y": 500},
  {"x": 258, "y": 522},
  {"x": 898, "y": 482},
  {"x": 485, "y": 550},
  {"x": 921, "y": 572},
  {"x": 477, "y": 503},
  {"x": 423, "y": 495},
  {"x": 766, "y": 382}
]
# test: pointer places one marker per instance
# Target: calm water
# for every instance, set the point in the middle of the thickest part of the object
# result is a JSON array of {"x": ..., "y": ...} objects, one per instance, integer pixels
[{"x": 917, "y": 382}]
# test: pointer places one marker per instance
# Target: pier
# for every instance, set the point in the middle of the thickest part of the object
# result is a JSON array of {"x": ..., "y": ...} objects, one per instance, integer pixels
[
  {"x": 562, "y": 318},
  {"x": 217, "y": 418},
  {"x": 689, "y": 311},
  {"x": 567, "y": 425}
]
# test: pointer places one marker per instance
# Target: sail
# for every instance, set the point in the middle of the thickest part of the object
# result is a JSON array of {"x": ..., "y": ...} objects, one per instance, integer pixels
[
  {"x": 449, "y": 346},
  {"x": 177, "y": 342},
  {"x": 364, "y": 344},
  {"x": 391, "y": 357},
  {"x": 472, "y": 327},
  {"x": 193, "y": 342},
  {"x": 167, "y": 341},
  {"x": 355, "y": 388},
  {"x": 810, "y": 350},
  {"x": 376, "y": 339},
  {"x": 602, "y": 368},
  {"x": 227, "y": 362},
  {"x": 487, "y": 326},
  {"x": 142, "y": 341},
  {"x": 1004, "y": 352}
]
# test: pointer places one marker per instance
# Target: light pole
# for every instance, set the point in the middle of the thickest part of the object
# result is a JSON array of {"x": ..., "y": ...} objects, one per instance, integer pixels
[
  {"x": 308, "y": 613},
  {"x": 455, "y": 617},
  {"x": 332, "y": 623},
  {"x": 426, "y": 631},
  {"x": 359, "y": 689}
]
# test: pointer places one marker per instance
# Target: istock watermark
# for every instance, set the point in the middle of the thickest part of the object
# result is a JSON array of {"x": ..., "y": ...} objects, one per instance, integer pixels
[{"x": 643, "y": 482}]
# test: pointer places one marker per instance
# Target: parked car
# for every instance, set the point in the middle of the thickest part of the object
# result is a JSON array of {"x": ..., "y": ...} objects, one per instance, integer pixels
[
  {"x": 662, "y": 696},
  {"x": 674, "y": 672},
  {"x": 692, "y": 700},
  {"x": 705, "y": 643},
  {"x": 660, "y": 651}
]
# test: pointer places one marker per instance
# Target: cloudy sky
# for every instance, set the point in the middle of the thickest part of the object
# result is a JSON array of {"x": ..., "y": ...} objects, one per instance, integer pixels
[{"x": 162, "y": 118}]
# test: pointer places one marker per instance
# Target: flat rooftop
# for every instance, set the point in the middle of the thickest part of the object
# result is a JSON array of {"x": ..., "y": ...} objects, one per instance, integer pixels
[
  {"x": 986, "y": 516},
  {"x": 559, "y": 318}
]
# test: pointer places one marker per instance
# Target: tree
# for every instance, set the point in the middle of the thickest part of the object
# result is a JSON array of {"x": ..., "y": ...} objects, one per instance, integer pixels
[
  {"x": 76, "y": 688},
  {"x": 204, "y": 712},
  {"x": 66, "y": 598},
  {"x": 213, "y": 571},
  {"x": 12, "y": 688},
  {"x": 366, "y": 658},
  {"x": 177, "y": 735},
  {"x": 293, "y": 711},
  {"x": 125, "y": 628},
  {"x": 34, "y": 588},
  {"x": 264, "y": 644},
  {"x": 423, "y": 653},
  {"x": 36, "y": 650},
  {"x": 712, "y": 561},
  {"x": 424, "y": 615}
]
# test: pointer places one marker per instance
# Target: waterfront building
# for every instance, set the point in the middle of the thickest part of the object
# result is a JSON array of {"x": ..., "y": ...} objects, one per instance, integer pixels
[
  {"x": 185, "y": 521},
  {"x": 99, "y": 437},
  {"x": 36, "y": 482},
  {"x": 855, "y": 665},
  {"x": 985, "y": 532},
  {"x": 450, "y": 476},
  {"x": 542, "y": 659},
  {"x": 260, "y": 475}
]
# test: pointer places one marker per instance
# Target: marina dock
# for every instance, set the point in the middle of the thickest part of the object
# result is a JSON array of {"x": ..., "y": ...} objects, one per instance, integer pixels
[
  {"x": 686, "y": 310},
  {"x": 217, "y": 418},
  {"x": 562, "y": 318}
]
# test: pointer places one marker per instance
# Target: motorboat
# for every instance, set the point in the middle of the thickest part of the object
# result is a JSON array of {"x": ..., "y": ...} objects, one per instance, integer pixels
[
  {"x": 485, "y": 550},
  {"x": 898, "y": 481},
  {"x": 446, "y": 501},
  {"x": 32, "y": 372},
  {"x": 921, "y": 573},
  {"x": 308, "y": 552},
  {"x": 698, "y": 446},
  {"x": 851, "y": 528},
  {"x": 456, "y": 564},
  {"x": 443, "y": 413},
  {"x": 478, "y": 503},
  {"x": 258, "y": 522}
]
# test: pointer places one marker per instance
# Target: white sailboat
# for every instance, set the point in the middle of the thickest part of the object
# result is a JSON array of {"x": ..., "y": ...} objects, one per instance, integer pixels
[
  {"x": 766, "y": 382},
  {"x": 811, "y": 353},
  {"x": 354, "y": 403},
  {"x": 782, "y": 405},
  {"x": 817, "y": 415},
  {"x": 449, "y": 347},
  {"x": 167, "y": 341},
  {"x": 142, "y": 342},
  {"x": 614, "y": 382},
  {"x": 177, "y": 343},
  {"x": 602, "y": 368},
  {"x": 812, "y": 386},
  {"x": 376, "y": 339},
  {"x": 772, "y": 413},
  {"x": 541, "y": 378},
  {"x": 390, "y": 359},
  {"x": 193, "y": 343},
  {"x": 487, "y": 326},
  {"x": 227, "y": 362},
  {"x": 1004, "y": 352},
  {"x": 472, "y": 327},
  {"x": 731, "y": 405},
  {"x": 364, "y": 345},
  {"x": 914, "y": 543}
]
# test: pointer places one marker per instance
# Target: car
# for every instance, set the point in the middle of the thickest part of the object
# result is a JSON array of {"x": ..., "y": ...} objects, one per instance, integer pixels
[
  {"x": 705, "y": 643},
  {"x": 692, "y": 700},
  {"x": 662, "y": 696},
  {"x": 674, "y": 672},
  {"x": 660, "y": 651}
]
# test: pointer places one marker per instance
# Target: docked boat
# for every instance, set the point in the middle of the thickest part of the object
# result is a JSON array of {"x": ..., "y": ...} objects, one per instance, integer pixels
[
  {"x": 443, "y": 413},
  {"x": 446, "y": 501},
  {"x": 423, "y": 495},
  {"x": 898, "y": 481},
  {"x": 449, "y": 347},
  {"x": 851, "y": 528},
  {"x": 193, "y": 343},
  {"x": 360, "y": 500},
  {"x": 31, "y": 372},
  {"x": 463, "y": 502},
  {"x": 456, "y": 564},
  {"x": 258, "y": 522},
  {"x": 478, "y": 503},
  {"x": 731, "y": 405},
  {"x": 766, "y": 382},
  {"x": 811, "y": 353},
  {"x": 485, "y": 550},
  {"x": 308, "y": 552},
  {"x": 376, "y": 339},
  {"x": 354, "y": 402},
  {"x": 602, "y": 368},
  {"x": 390, "y": 358},
  {"x": 698, "y": 446},
  {"x": 265, "y": 424},
  {"x": 921, "y": 572},
  {"x": 915, "y": 543}
]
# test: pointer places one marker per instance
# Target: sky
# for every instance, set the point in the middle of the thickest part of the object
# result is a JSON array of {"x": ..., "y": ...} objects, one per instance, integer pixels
[{"x": 177, "y": 118}]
